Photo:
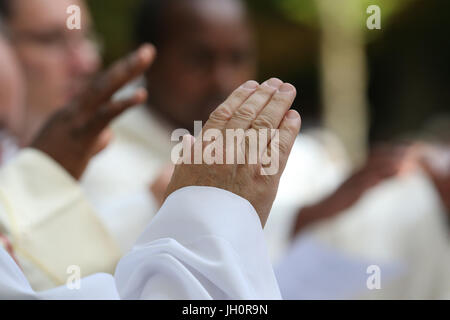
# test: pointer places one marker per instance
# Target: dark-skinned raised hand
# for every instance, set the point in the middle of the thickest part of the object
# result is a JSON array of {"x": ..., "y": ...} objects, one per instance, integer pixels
[{"x": 74, "y": 134}]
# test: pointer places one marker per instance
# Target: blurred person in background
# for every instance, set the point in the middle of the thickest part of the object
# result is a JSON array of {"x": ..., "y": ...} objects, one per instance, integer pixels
[
  {"x": 57, "y": 62},
  {"x": 56, "y": 66},
  {"x": 399, "y": 225},
  {"x": 12, "y": 104},
  {"x": 11, "y": 107}
]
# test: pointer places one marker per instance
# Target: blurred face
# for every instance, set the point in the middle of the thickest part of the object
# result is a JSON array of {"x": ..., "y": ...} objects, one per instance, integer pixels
[
  {"x": 56, "y": 61},
  {"x": 11, "y": 90},
  {"x": 207, "y": 53}
]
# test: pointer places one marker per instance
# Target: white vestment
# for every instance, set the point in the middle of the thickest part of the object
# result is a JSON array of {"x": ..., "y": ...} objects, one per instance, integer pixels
[
  {"x": 398, "y": 232},
  {"x": 50, "y": 224},
  {"x": 204, "y": 243}
]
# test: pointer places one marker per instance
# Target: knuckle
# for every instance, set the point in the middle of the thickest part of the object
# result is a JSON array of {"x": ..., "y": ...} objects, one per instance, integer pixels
[
  {"x": 246, "y": 113},
  {"x": 99, "y": 118},
  {"x": 258, "y": 100},
  {"x": 263, "y": 121},
  {"x": 284, "y": 145},
  {"x": 262, "y": 95},
  {"x": 283, "y": 100},
  {"x": 221, "y": 113},
  {"x": 292, "y": 130},
  {"x": 264, "y": 89},
  {"x": 238, "y": 96}
]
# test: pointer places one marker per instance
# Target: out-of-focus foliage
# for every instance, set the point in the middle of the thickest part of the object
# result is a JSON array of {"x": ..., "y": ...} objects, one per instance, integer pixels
[
  {"x": 305, "y": 11},
  {"x": 114, "y": 22},
  {"x": 115, "y": 18}
]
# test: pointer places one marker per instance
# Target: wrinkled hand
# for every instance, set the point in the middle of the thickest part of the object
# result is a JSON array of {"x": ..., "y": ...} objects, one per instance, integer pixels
[
  {"x": 251, "y": 106},
  {"x": 73, "y": 135}
]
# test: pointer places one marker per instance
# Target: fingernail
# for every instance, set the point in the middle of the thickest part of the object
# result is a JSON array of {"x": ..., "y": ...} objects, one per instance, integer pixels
[
  {"x": 292, "y": 115},
  {"x": 274, "y": 83},
  {"x": 141, "y": 94},
  {"x": 286, "y": 87},
  {"x": 251, "y": 85},
  {"x": 145, "y": 52}
]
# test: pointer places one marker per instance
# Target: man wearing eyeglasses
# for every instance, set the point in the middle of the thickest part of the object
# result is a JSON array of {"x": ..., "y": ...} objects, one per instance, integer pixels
[
  {"x": 57, "y": 64},
  {"x": 56, "y": 61}
]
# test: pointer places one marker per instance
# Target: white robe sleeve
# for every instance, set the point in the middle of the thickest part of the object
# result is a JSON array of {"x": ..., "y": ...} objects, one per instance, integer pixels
[{"x": 204, "y": 243}]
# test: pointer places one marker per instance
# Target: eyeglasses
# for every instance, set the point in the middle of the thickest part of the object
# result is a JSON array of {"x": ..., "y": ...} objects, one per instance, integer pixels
[{"x": 57, "y": 40}]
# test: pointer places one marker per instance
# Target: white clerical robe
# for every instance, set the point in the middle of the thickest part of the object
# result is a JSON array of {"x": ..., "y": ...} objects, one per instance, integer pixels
[
  {"x": 50, "y": 224},
  {"x": 204, "y": 243}
]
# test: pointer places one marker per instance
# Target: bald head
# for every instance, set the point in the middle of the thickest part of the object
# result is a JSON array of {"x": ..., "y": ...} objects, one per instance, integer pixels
[
  {"x": 205, "y": 50},
  {"x": 158, "y": 20}
]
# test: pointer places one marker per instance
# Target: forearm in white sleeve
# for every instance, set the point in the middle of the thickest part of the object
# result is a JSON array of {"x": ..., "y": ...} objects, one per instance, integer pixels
[{"x": 204, "y": 243}]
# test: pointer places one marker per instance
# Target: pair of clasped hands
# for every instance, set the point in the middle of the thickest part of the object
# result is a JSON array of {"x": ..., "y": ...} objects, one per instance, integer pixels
[{"x": 74, "y": 134}]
